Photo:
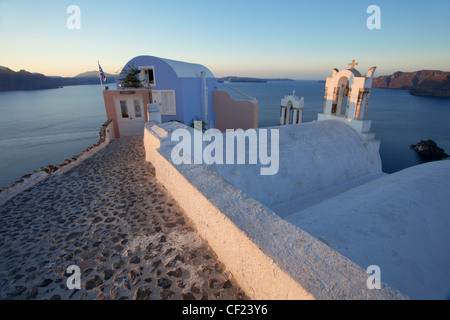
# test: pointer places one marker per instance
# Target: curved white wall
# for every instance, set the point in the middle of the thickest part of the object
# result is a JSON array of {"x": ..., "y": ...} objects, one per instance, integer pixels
[
  {"x": 269, "y": 257},
  {"x": 313, "y": 156}
]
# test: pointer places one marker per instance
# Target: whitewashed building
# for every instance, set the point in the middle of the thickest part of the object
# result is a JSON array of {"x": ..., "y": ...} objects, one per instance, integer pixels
[{"x": 329, "y": 217}]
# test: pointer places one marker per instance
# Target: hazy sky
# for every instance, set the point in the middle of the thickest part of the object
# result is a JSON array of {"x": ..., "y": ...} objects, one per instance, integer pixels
[{"x": 277, "y": 38}]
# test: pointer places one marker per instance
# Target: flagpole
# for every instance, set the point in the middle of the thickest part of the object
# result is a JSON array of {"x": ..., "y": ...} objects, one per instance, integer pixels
[{"x": 99, "y": 75}]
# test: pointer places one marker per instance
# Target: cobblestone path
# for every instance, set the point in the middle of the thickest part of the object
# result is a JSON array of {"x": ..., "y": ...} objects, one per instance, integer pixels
[{"x": 111, "y": 218}]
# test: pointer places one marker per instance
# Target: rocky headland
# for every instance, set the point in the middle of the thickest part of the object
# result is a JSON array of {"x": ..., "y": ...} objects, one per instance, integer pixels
[
  {"x": 24, "y": 80},
  {"x": 432, "y": 83}
]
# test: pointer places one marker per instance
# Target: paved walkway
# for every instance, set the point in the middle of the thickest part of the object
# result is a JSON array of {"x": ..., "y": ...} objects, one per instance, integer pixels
[{"x": 111, "y": 218}]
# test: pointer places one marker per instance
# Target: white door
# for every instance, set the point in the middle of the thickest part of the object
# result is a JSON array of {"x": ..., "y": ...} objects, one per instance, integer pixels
[{"x": 130, "y": 116}]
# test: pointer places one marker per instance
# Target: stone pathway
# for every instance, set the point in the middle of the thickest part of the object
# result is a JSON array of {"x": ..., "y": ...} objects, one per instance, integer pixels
[{"x": 111, "y": 218}]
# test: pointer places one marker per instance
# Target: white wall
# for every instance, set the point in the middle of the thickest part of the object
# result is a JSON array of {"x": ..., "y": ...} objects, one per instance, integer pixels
[
  {"x": 313, "y": 156},
  {"x": 269, "y": 257}
]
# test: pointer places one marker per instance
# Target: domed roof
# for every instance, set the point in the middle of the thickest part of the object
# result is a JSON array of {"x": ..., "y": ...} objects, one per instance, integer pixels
[
  {"x": 312, "y": 156},
  {"x": 355, "y": 72},
  {"x": 182, "y": 69},
  {"x": 403, "y": 218}
]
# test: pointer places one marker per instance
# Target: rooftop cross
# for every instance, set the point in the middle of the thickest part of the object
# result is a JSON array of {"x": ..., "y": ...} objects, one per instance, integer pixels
[{"x": 353, "y": 64}]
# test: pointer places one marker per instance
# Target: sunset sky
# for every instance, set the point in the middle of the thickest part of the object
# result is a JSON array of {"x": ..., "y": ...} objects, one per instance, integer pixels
[{"x": 295, "y": 39}]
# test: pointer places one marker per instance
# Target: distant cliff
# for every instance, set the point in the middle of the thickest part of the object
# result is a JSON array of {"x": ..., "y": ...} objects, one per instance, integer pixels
[
  {"x": 77, "y": 81},
  {"x": 23, "y": 80},
  {"x": 422, "y": 83},
  {"x": 248, "y": 79}
]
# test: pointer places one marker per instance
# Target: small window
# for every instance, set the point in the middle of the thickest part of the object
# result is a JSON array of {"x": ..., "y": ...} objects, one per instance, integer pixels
[
  {"x": 137, "y": 109},
  {"x": 148, "y": 76},
  {"x": 124, "y": 109}
]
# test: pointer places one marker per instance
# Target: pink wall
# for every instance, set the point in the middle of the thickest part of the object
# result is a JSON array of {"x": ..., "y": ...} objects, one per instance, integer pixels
[
  {"x": 234, "y": 114},
  {"x": 110, "y": 107}
]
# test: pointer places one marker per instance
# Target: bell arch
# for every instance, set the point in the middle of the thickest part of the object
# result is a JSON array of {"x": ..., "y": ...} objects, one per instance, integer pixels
[
  {"x": 347, "y": 94},
  {"x": 291, "y": 110},
  {"x": 340, "y": 106}
]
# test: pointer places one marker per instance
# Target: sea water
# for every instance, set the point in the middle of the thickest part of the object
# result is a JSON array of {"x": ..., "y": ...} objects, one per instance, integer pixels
[
  {"x": 399, "y": 119},
  {"x": 43, "y": 127}
]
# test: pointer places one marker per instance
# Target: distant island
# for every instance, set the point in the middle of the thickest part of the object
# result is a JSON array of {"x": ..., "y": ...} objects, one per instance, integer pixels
[
  {"x": 430, "y": 83},
  {"x": 248, "y": 79},
  {"x": 24, "y": 80},
  {"x": 90, "y": 77}
]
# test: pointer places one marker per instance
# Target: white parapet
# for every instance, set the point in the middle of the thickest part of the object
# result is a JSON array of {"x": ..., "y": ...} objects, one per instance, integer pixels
[
  {"x": 360, "y": 126},
  {"x": 269, "y": 257}
]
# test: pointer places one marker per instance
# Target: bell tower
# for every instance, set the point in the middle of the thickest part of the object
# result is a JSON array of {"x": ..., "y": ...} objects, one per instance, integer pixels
[
  {"x": 291, "y": 109},
  {"x": 346, "y": 98}
]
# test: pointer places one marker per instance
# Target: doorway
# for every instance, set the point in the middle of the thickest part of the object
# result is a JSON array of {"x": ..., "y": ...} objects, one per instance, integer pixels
[{"x": 130, "y": 115}]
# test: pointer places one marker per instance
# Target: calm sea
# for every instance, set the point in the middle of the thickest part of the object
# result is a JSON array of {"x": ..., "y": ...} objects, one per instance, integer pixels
[
  {"x": 398, "y": 118},
  {"x": 43, "y": 127}
]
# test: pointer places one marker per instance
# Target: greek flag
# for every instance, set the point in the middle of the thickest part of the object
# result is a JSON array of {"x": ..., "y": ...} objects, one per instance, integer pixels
[{"x": 102, "y": 74}]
